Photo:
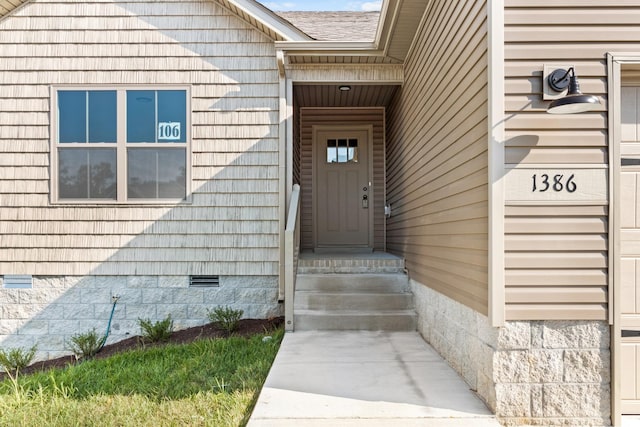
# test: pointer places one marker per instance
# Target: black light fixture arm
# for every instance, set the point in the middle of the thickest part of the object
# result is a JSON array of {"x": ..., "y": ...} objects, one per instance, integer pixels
[{"x": 559, "y": 80}]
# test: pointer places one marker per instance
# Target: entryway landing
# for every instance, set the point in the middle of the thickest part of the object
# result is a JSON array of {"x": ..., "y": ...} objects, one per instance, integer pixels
[{"x": 349, "y": 261}]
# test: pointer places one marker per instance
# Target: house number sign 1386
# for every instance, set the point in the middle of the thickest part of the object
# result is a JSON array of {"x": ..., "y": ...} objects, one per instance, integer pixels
[
  {"x": 556, "y": 185},
  {"x": 553, "y": 182}
]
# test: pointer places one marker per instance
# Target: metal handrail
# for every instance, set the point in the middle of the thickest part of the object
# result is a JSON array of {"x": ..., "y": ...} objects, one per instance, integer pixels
[{"x": 291, "y": 255}]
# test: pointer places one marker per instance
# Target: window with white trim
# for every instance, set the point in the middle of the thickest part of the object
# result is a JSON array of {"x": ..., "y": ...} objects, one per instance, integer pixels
[{"x": 120, "y": 145}]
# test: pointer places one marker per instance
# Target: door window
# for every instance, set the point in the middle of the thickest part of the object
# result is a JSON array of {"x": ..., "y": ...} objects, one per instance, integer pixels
[{"x": 342, "y": 150}]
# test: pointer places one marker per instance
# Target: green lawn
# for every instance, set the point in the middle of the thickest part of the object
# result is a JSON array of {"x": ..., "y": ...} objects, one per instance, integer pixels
[{"x": 205, "y": 383}]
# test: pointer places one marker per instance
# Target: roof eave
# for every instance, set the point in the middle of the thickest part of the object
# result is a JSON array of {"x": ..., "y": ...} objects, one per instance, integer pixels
[
  {"x": 394, "y": 35},
  {"x": 326, "y": 47},
  {"x": 265, "y": 16}
]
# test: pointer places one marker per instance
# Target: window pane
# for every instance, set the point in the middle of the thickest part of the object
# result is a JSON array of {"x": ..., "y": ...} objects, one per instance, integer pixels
[
  {"x": 102, "y": 116},
  {"x": 342, "y": 151},
  {"x": 141, "y": 116},
  {"x": 87, "y": 173},
  {"x": 72, "y": 116},
  {"x": 332, "y": 154},
  {"x": 172, "y": 115},
  {"x": 353, "y": 151},
  {"x": 156, "y": 173}
]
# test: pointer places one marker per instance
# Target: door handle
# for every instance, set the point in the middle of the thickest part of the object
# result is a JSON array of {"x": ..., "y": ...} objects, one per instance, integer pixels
[{"x": 365, "y": 201}]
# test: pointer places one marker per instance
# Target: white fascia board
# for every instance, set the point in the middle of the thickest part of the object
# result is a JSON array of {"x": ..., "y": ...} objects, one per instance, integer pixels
[
  {"x": 332, "y": 48},
  {"x": 270, "y": 19},
  {"x": 388, "y": 17}
]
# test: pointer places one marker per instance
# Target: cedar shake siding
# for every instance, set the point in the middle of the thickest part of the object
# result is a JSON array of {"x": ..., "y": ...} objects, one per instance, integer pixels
[{"x": 230, "y": 224}]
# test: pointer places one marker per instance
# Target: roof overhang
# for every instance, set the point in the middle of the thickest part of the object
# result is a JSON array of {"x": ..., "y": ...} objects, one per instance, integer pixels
[
  {"x": 265, "y": 20},
  {"x": 317, "y": 48},
  {"x": 399, "y": 22}
]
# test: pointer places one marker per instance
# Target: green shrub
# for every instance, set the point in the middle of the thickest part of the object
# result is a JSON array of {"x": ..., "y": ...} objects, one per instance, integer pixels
[
  {"x": 159, "y": 331},
  {"x": 225, "y": 318},
  {"x": 15, "y": 359},
  {"x": 86, "y": 345}
]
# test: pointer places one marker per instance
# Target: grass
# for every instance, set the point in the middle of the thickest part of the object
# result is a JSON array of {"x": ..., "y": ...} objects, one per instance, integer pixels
[{"x": 205, "y": 383}]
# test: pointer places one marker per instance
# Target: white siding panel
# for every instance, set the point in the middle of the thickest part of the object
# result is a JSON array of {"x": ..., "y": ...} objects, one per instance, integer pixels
[{"x": 230, "y": 226}]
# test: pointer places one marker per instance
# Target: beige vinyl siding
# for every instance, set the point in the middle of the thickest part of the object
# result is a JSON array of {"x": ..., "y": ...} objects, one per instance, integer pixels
[
  {"x": 437, "y": 155},
  {"x": 297, "y": 147},
  {"x": 230, "y": 228},
  {"x": 556, "y": 257},
  {"x": 310, "y": 117}
]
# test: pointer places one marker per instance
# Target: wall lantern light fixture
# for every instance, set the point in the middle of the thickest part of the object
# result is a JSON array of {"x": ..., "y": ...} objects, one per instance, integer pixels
[{"x": 574, "y": 101}]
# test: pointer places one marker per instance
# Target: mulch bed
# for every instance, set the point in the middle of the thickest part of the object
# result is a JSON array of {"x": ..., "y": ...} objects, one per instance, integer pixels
[{"x": 246, "y": 327}]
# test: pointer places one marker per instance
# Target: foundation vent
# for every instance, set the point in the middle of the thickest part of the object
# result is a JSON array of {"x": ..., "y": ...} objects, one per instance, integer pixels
[
  {"x": 17, "y": 281},
  {"x": 204, "y": 281}
]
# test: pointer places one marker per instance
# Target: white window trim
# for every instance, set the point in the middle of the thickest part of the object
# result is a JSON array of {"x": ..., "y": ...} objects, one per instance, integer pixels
[{"x": 121, "y": 147}]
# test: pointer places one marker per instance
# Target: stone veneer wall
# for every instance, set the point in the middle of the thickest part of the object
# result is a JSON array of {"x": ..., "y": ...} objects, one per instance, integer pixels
[
  {"x": 538, "y": 373},
  {"x": 57, "y": 308}
]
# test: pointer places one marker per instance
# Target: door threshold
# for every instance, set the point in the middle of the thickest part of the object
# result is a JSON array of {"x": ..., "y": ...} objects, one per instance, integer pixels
[{"x": 342, "y": 250}]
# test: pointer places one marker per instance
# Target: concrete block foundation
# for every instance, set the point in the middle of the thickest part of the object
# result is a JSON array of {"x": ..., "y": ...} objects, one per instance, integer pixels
[
  {"x": 56, "y": 308},
  {"x": 529, "y": 373}
]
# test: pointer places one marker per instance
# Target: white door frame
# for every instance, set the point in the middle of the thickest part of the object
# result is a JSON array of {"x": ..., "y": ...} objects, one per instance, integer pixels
[
  {"x": 372, "y": 191},
  {"x": 615, "y": 62}
]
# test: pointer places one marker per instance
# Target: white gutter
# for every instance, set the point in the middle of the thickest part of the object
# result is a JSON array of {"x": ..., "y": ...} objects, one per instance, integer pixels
[{"x": 329, "y": 48}]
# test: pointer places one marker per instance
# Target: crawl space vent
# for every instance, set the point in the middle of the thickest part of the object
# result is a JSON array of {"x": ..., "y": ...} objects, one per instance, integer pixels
[
  {"x": 17, "y": 281},
  {"x": 204, "y": 281}
]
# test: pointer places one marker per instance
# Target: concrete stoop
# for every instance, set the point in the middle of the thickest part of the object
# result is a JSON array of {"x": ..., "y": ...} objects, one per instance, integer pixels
[{"x": 353, "y": 294}]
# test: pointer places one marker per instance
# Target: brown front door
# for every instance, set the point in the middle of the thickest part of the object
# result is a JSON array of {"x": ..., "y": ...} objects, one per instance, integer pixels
[{"x": 342, "y": 186}]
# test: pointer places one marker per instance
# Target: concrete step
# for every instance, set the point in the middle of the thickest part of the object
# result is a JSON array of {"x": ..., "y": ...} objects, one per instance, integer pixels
[
  {"x": 376, "y": 283},
  {"x": 359, "y": 320},
  {"x": 313, "y": 300},
  {"x": 367, "y": 263},
  {"x": 369, "y": 302}
]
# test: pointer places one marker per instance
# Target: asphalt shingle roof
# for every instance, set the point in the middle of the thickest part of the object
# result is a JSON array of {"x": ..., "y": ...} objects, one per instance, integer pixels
[{"x": 335, "y": 26}]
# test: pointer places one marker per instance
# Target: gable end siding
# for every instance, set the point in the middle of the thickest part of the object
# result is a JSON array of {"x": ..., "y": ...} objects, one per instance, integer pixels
[{"x": 230, "y": 228}]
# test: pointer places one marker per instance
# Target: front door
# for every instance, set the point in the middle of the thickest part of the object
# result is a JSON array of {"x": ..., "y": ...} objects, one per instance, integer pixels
[
  {"x": 630, "y": 249},
  {"x": 342, "y": 189}
]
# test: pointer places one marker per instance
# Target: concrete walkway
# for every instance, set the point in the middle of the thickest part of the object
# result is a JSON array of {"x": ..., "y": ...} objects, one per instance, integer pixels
[{"x": 360, "y": 378}]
